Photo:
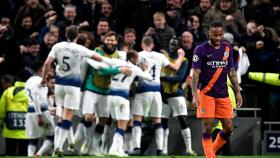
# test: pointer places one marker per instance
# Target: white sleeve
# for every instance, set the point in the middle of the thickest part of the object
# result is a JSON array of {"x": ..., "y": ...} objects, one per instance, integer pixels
[
  {"x": 140, "y": 73},
  {"x": 84, "y": 52},
  {"x": 53, "y": 51},
  {"x": 36, "y": 99},
  {"x": 164, "y": 60},
  {"x": 96, "y": 64},
  {"x": 113, "y": 61}
]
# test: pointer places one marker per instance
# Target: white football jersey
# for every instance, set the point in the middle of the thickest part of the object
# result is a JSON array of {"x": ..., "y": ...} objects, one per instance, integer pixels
[
  {"x": 68, "y": 56},
  {"x": 37, "y": 94},
  {"x": 155, "y": 62},
  {"x": 121, "y": 81}
]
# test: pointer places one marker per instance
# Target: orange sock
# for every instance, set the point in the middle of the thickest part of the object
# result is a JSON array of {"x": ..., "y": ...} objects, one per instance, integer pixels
[
  {"x": 207, "y": 145},
  {"x": 218, "y": 143}
]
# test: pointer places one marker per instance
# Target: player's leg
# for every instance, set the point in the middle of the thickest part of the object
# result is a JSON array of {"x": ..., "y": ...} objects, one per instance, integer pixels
[
  {"x": 33, "y": 131},
  {"x": 106, "y": 136},
  {"x": 224, "y": 135},
  {"x": 121, "y": 113},
  {"x": 46, "y": 146},
  {"x": 138, "y": 113},
  {"x": 155, "y": 113},
  {"x": 225, "y": 113},
  {"x": 103, "y": 113},
  {"x": 48, "y": 132},
  {"x": 31, "y": 148},
  {"x": 71, "y": 102},
  {"x": 179, "y": 109},
  {"x": 206, "y": 112},
  {"x": 166, "y": 113},
  {"x": 128, "y": 140},
  {"x": 89, "y": 101},
  {"x": 78, "y": 136}
]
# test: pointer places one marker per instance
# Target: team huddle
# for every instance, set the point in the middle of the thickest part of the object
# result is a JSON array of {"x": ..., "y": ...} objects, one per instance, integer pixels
[{"x": 106, "y": 84}]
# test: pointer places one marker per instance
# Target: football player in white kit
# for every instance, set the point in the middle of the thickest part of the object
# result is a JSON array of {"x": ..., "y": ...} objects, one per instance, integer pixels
[
  {"x": 148, "y": 98},
  {"x": 174, "y": 102},
  {"x": 97, "y": 86},
  {"x": 67, "y": 84},
  {"x": 118, "y": 99},
  {"x": 39, "y": 122}
]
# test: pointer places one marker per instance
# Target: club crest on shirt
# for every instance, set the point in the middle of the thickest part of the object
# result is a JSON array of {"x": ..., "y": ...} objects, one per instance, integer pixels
[
  {"x": 226, "y": 54},
  {"x": 195, "y": 58}
]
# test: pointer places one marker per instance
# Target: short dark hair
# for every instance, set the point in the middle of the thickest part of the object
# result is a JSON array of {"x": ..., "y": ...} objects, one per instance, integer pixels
[
  {"x": 23, "y": 75},
  {"x": 82, "y": 38},
  {"x": 111, "y": 33},
  {"x": 131, "y": 54},
  {"x": 129, "y": 30},
  {"x": 72, "y": 32},
  {"x": 37, "y": 65},
  {"x": 215, "y": 24},
  {"x": 147, "y": 40}
]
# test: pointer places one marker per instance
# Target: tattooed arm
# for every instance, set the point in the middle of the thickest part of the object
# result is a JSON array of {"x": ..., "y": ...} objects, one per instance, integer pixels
[
  {"x": 195, "y": 80},
  {"x": 234, "y": 82}
]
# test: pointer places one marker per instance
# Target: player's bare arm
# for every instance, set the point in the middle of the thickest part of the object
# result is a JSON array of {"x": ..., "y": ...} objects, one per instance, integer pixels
[
  {"x": 46, "y": 68},
  {"x": 195, "y": 80},
  {"x": 234, "y": 82},
  {"x": 177, "y": 64}
]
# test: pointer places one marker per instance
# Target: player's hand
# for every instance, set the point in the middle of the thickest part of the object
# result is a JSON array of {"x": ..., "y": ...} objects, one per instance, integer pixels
[
  {"x": 126, "y": 70},
  {"x": 239, "y": 100},
  {"x": 259, "y": 44},
  {"x": 43, "y": 82},
  {"x": 181, "y": 52},
  {"x": 40, "y": 121},
  {"x": 143, "y": 66},
  {"x": 195, "y": 100},
  {"x": 52, "y": 110}
]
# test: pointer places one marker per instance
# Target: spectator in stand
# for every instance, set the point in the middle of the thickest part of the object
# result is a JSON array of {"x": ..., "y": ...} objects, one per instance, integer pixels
[
  {"x": 227, "y": 12},
  {"x": 50, "y": 19},
  {"x": 101, "y": 29},
  {"x": 259, "y": 44},
  {"x": 130, "y": 38},
  {"x": 31, "y": 56},
  {"x": 70, "y": 15},
  {"x": 202, "y": 9},
  {"x": 161, "y": 33},
  {"x": 54, "y": 30},
  {"x": 46, "y": 46},
  {"x": 34, "y": 9},
  {"x": 106, "y": 12},
  {"x": 86, "y": 11},
  {"x": 25, "y": 29},
  {"x": 193, "y": 25},
  {"x": 173, "y": 13},
  {"x": 188, "y": 46}
]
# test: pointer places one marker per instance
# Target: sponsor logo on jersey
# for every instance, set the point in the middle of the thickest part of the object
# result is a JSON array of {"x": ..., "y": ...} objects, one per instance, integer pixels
[{"x": 217, "y": 64}]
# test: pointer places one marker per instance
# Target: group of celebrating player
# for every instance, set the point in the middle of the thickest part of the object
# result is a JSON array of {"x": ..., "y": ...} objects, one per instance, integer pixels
[{"x": 107, "y": 83}]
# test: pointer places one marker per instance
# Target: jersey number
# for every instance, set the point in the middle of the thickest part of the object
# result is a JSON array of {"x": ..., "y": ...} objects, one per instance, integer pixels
[
  {"x": 153, "y": 71},
  {"x": 65, "y": 66},
  {"x": 121, "y": 79},
  {"x": 28, "y": 91}
]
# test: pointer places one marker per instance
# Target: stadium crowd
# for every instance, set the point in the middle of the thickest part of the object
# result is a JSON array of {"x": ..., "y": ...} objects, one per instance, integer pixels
[{"x": 30, "y": 28}]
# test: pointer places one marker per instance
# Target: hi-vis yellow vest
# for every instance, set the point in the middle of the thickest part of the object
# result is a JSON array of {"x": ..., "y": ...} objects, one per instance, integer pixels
[
  {"x": 103, "y": 81},
  {"x": 167, "y": 87},
  {"x": 13, "y": 108}
]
